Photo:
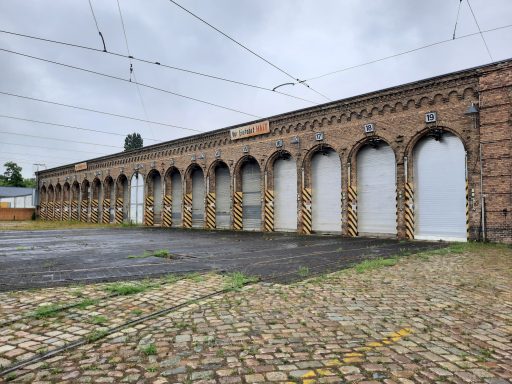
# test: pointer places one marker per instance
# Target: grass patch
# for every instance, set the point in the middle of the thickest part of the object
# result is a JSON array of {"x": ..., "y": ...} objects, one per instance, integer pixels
[
  {"x": 303, "y": 271},
  {"x": 171, "y": 279},
  {"x": 236, "y": 280},
  {"x": 86, "y": 302},
  {"x": 47, "y": 310},
  {"x": 124, "y": 289},
  {"x": 137, "y": 312},
  {"x": 98, "y": 319},
  {"x": 195, "y": 277},
  {"x": 96, "y": 335},
  {"x": 149, "y": 349},
  {"x": 22, "y": 248},
  {"x": 163, "y": 253},
  {"x": 370, "y": 265}
]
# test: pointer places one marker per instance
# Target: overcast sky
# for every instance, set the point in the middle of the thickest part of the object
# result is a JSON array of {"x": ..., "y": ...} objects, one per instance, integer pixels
[{"x": 306, "y": 38}]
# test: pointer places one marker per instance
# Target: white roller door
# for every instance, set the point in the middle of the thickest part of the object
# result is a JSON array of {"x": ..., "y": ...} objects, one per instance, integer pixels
[
  {"x": 177, "y": 199},
  {"x": 376, "y": 190},
  {"x": 326, "y": 192},
  {"x": 251, "y": 203},
  {"x": 157, "y": 198},
  {"x": 285, "y": 195},
  {"x": 222, "y": 197},
  {"x": 137, "y": 199},
  {"x": 197, "y": 199},
  {"x": 440, "y": 189}
]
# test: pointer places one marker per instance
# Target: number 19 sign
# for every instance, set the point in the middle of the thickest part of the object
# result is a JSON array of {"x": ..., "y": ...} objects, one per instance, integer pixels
[{"x": 430, "y": 117}]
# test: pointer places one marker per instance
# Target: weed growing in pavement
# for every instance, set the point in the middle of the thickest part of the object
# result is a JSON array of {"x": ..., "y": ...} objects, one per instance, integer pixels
[
  {"x": 96, "y": 335},
  {"x": 87, "y": 302},
  {"x": 55, "y": 371},
  {"x": 10, "y": 377},
  {"x": 369, "y": 265},
  {"x": 163, "y": 253},
  {"x": 137, "y": 312},
  {"x": 220, "y": 353},
  {"x": 152, "y": 369},
  {"x": 124, "y": 289},
  {"x": 303, "y": 271},
  {"x": 98, "y": 319},
  {"x": 195, "y": 277},
  {"x": 236, "y": 280},
  {"x": 149, "y": 349},
  {"x": 485, "y": 355},
  {"x": 47, "y": 310}
]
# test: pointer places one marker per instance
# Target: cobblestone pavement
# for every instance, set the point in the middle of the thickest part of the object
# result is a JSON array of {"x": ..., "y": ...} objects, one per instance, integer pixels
[{"x": 439, "y": 317}]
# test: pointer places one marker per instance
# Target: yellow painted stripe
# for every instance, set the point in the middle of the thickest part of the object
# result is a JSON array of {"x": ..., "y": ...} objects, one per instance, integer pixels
[
  {"x": 238, "y": 211},
  {"x": 352, "y": 212},
  {"x": 269, "y": 211},
  {"x": 306, "y": 211},
  {"x": 167, "y": 215},
  {"x": 409, "y": 211},
  {"x": 187, "y": 212}
]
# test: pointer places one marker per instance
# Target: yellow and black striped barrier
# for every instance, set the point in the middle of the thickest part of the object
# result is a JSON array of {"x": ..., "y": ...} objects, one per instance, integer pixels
[
  {"x": 94, "y": 211},
  {"x": 238, "y": 223},
  {"x": 409, "y": 211},
  {"x": 149, "y": 212},
  {"x": 187, "y": 211},
  {"x": 467, "y": 209},
  {"x": 74, "y": 210},
  {"x": 51, "y": 212},
  {"x": 307, "y": 220},
  {"x": 210, "y": 211},
  {"x": 352, "y": 212},
  {"x": 58, "y": 211},
  {"x": 83, "y": 211},
  {"x": 269, "y": 210},
  {"x": 105, "y": 211},
  {"x": 65, "y": 211},
  {"x": 167, "y": 217},
  {"x": 42, "y": 211},
  {"x": 119, "y": 211}
]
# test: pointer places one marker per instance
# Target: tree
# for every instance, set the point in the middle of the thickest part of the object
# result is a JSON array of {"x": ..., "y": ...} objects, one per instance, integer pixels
[
  {"x": 133, "y": 141},
  {"x": 12, "y": 176}
]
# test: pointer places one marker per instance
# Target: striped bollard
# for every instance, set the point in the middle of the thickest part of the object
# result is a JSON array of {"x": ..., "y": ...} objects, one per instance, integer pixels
[
  {"x": 167, "y": 216},
  {"x": 210, "y": 211},
  {"x": 409, "y": 211},
  {"x": 352, "y": 212},
  {"x": 306, "y": 208},
  {"x": 83, "y": 211},
  {"x": 94, "y": 211},
  {"x": 149, "y": 212},
  {"x": 187, "y": 211},
  {"x": 42, "y": 211},
  {"x": 106, "y": 211},
  {"x": 269, "y": 211},
  {"x": 119, "y": 211},
  {"x": 74, "y": 210}
]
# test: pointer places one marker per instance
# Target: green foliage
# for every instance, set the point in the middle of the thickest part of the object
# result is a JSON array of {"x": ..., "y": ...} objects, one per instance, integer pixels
[
  {"x": 124, "y": 289},
  {"x": 96, "y": 335},
  {"x": 236, "y": 280},
  {"x": 149, "y": 349},
  {"x": 98, "y": 319},
  {"x": 303, "y": 271},
  {"x": 46, "y": 310},
  {"x": 133, "y": 141},
  {"x": 369, "y": 265},
  {"x": 12, "y": 176}
]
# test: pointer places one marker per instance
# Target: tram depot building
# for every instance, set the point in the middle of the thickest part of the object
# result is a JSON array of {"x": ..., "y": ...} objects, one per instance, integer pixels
[{"x": 427, "y": 160}]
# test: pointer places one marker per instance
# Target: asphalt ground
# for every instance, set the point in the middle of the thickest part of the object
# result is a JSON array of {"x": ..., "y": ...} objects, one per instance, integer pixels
[{"x": 46, "y": 258}]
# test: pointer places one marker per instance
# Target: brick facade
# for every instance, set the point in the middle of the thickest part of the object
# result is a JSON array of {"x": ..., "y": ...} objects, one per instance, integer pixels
[{"x": 398, "y": 115}]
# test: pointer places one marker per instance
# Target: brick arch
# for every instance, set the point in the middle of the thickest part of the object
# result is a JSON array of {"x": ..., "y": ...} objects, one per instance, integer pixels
[
  {"x": 211, "y": 172},
  {"x": 51, "y": 193},
  {"x": 237, "y": 173},
  {"x": 58, "y": 192},
  {"x": 75, "y": 190},
  {"x": 168, "y": 177},
  {"x": 269, "y": 165},
  {"x": 306, "y": 162},
  {"x": 96, "y": 188},
  {"x": 188, "y": 176},
  {"x": 66, "y": 191},
  {"x": 121, "y": 183},
  {"x": 43, "y": 194}
]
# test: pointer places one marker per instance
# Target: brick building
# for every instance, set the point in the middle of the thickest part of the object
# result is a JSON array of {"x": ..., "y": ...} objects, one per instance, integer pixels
[{"x": 427, "y": 160}]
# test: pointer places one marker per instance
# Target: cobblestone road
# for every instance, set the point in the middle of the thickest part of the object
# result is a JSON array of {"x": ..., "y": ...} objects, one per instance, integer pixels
[{"x": 443, "y": 317}]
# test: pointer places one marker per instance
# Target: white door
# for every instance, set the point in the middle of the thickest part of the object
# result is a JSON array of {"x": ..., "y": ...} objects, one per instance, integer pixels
[
  {"x": 197, "y": 198},
  {"x": 376, "y": 190},
  {"x": 222, "y": 197},
  {"x": 440, "y": 189},
  {"x": 285, "y": 195},
  {"x": 326, "y": 192},
  {"x": 157, "y": 198},
  {"x": 177, "y": 199},
  {"x": 251, "y": 201},
  {"x": 137, "y": 199}
]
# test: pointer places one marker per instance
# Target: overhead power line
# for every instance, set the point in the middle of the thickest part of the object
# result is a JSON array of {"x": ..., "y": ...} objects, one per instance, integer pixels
[
  {"x": 406, "y": 52},
  {"x": 70, "y": 126},
  {"x": 457, "y": 19},
  {"x": 57, "y": 139},
  {"x": 480, "y": 31},
  {"x": 248, "y": 49},
  {"x": 97, "y": 111},
  {"x": 159, "y": 64},
  {"x": 54, "y": 149},
  {"x": 45, "y": 156},
  {"x": 97, "y": 27},
  {"x": 128, "y": 81}
]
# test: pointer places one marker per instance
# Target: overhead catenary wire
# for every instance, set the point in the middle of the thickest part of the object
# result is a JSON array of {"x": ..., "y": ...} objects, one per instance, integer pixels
[
  {"x": 480, "y": 31},
  {"x": 130, "y": 82},
  {"x": 54, "y": 149},
  {"x": 457, "y": 19},
  {"x": 58, "y": 139},
  {"x": 294, "y": 78},
  {"x": 97, "y": 111},
  {"x": 45, "y": 156},
  {"x": 69, "y": 126},
  {"x": 405, "y": 52},
  {"x": 97, "y": 26},
  {"x": 159, "y": 64}
]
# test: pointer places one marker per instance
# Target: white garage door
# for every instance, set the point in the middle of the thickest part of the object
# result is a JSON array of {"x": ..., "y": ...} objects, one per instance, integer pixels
[
  {"x": 157, "y": 198},
  {"x": 326, "y": 192},
  {"x": 285, "y": 195},
  {"x": 376, "y": 190},
  {"x": 197, "y": 199},
  {"x": 251, "y": 203},
  {"x": 177, "y": 199},
  {"x": 137, "y": 199},
  {"x": 440, "y": 189},
  {"x": 222, "y": 197}
]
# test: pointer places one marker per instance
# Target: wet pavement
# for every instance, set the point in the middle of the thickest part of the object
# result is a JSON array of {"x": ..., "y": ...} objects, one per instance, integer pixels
[{"x": 33, "y": 259}]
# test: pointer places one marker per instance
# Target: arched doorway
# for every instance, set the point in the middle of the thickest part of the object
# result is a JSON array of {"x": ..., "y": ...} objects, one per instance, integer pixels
[
  {"x": 137, "y": 199},
  {"x": 108, "y": 198},
  {"x": 285, "y": 194},
  {"x": 66, "y": 197},
  {"x": 58, "y": 202},
  {"x": 251, "y": 195},
  {"x": 222, "y": 196},
  {"x": 84, "y": 205},
  {"x": 75, "y": 197},
  {"x": 198, "y": 195},
  {"x": 440, "y": 189},
  {"x": 326, "y": 191},
  {"x": 51, "y": 203},
  {"x": 96, "y": 197},
  {"x": 376, "y": 190},
  {"x": 122, "y": 199},
  {"x": 154, "y": 198}
]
